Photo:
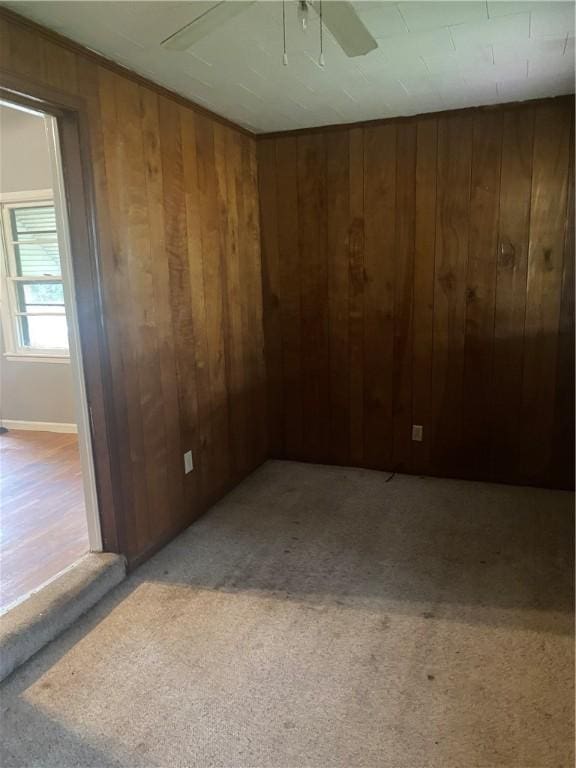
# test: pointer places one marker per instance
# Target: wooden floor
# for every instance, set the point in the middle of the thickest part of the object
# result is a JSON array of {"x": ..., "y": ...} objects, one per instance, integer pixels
[{"x": 42, "y": 516}]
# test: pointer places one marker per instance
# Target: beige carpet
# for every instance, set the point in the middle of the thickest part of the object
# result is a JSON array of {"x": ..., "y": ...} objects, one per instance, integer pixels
[{"x": 323, "y": 617}]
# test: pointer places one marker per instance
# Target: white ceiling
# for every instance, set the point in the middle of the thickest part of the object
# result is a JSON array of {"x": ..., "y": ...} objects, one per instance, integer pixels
[{"x": 431, "y": 56}]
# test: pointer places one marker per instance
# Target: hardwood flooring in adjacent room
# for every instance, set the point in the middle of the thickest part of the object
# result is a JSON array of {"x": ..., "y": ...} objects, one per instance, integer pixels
[{"x": 43, "y": 525}]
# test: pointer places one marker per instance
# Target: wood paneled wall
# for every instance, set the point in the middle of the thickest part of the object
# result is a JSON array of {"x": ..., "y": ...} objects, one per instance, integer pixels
[
  {"x": 421, "y": 271},
  {"x": 178, "y": 230},
  {"x": 415, "y": 272}
]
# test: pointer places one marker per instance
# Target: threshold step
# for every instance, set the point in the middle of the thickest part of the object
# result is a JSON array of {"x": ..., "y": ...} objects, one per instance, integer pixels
[{"x": 33, "y": 623}]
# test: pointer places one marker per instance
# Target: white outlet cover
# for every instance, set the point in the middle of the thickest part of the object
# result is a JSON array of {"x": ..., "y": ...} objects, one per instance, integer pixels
[
  {"x": 188, "y": 463},
  {"x": 417, "y": 432}
]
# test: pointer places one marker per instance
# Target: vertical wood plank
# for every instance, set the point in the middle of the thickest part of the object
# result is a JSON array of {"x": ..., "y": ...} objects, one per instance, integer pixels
[
  {"x": 337, "y": 222},
  {"x": 59, "y": 67},
  {"x": 543, "y": 298},
  {"x": 88, "y": 83},
  {"x": 169, "y": 445},
  {"x": 195, "y": 363},
  {"x": 24, "y": 52},
  {"x": 356, "y": 255},
  {"x": 478, "y": 382},
  {"x": 225, "y": 232},
  {"x": 133, "y": 218},
  {"x": 5, "y": 54},
  {"x": 272, "y": 292},
  {"x": 238, "y": 387},
  {"x": 121, "y": 323},
  {"x": 379, "y": 277},
  {"x": 452, "y": 233},
  {"x": 218, "y": 452},
  {"x": 561, "y": 473},
  {"x": 403, "y": 298},
  {"x": 423, "y": 309},
  {"x": 510, "y": 299},
  {"x": 253, "y": 308},
  {"x": 314, "y": 296},
  {"x": 290, "y": 270}
]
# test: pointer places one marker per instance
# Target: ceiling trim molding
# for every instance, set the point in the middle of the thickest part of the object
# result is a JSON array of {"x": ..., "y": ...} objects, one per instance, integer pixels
[
  {"x": 102, "y": 61},
  {"x": 568, "y": 97}
]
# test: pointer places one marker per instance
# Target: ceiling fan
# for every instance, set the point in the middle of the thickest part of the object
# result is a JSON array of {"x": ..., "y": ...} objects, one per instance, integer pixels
[{"x": 338, "y": 16}]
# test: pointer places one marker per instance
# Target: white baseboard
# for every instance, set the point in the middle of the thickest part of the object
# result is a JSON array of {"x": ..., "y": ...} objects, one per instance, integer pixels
[{"x": 39, "y": 426}]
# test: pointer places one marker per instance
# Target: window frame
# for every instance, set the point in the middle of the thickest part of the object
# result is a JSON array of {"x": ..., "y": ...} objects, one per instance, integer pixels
[{"x": 9, "y": 307}]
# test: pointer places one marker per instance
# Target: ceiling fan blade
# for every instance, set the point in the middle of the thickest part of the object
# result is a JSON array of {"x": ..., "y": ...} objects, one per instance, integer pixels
[
  {"x": 205, "y": 24},
  {"x": 346, "y": 27}
]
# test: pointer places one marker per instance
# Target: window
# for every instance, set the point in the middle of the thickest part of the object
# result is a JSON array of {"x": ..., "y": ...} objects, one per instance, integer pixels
[{"x": 33, "y": 308}]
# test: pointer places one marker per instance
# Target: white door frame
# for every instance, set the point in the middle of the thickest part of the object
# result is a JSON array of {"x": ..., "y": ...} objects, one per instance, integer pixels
[{"x": 82, "y": 409}]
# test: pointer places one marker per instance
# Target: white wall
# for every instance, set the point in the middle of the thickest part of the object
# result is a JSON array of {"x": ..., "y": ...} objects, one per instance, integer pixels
[
  {"x": 24, "y": 158},
  {"x": 30, "y": 391}
]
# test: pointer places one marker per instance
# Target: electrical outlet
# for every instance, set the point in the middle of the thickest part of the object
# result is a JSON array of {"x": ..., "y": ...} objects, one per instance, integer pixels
[
  {"x": 417, "y": 432},
  {"x": 188, "y": 463}
]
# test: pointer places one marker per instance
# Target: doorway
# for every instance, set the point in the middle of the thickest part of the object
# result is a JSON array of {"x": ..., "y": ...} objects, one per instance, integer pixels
[{"x": 49, "y": 516}]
